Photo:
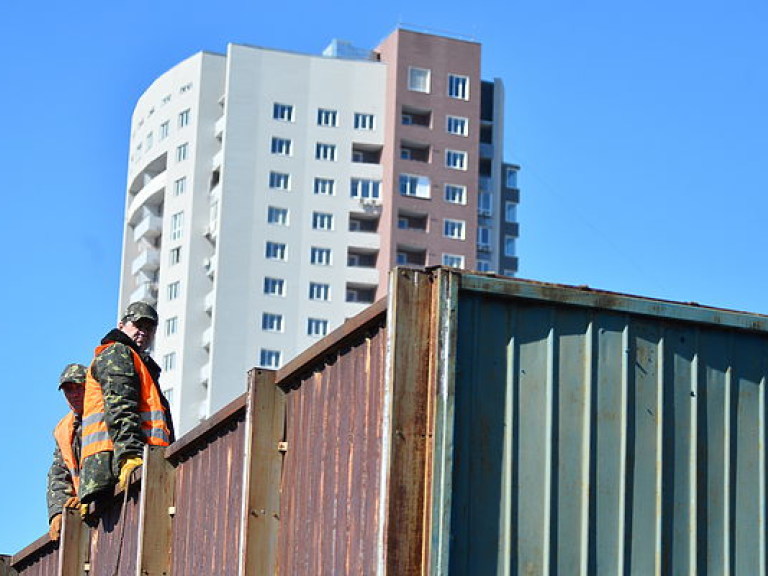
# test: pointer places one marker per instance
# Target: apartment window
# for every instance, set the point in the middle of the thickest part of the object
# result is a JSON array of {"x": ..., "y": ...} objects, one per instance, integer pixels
[
  {"x": 484, "y": 236},
  {"x": 510, "y": 212},
  {"x": 169, "y": 362},
  {"x": 326, "y": 117},
  {"x": 484, "y": 204},
  {"x": 282, "y": 112},
  {"x": 483, "y": 265},
  {"x": 174, "y": 256},
  {"x": 319, "y": 291},
  {"x": 458, "y": 87},
  {"x": 411, "y": 185},
  {"x": 281, "y": 146},
  {"x": 180, "y": 186},
  {"x": 317, "y": 327},
  {"x": 457, "y": 125},
  {"x": 277, "y": 216},
  {"x": 184, "y": 118},
  {"x": 453, "y": 260},
  {"x": 269, "y": 358},
  {"x": 173, "y": 290},
  {"x": 320, "y": 256},
  {"x": 275, "y": 251},
  {"x": 166, "y": 99},
  {"x": 279, "y": 180},
  {"x": 165, "y": 129},
  {"x": 272, "y": 322},
  {"x": 324, "y": 186},
  {"x": 186, "y": 88},
  {"x": 325, "y": 152},
  {"x": 177, "y": 225},
  {"x": 511, "y": 178},
  {"x": 509, "y": 246},
  {"x": 322, "y": 221},
  {"x": 274, "y": 286},
  {"x": 453, "y": 229},
  {"x": 149, "y": 140},
  {"x": 418, "y": 79},
  {"x": 182, "y": 152},
  {"x": 455, "y": 194},
  {"x": 456, "y": 160},
  {"x": 364, "y": 188},
  {"x": 363, "y": 121},
  {"x": 171, "y": 326}
]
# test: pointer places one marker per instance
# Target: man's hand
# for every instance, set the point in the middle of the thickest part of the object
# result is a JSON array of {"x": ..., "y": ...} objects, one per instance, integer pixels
[
  {"x": 129, "y": 465},
  {"x": 72, "y": 502},
  {"x": 54, "y": 530}
]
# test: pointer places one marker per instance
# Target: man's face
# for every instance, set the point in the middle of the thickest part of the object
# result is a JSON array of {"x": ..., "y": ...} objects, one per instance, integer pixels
[
  {"x": 141, "y": 331},
  {"x": 74, "y": 393}
]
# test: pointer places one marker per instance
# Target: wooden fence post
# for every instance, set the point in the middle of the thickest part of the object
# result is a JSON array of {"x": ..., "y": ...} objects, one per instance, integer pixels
[
  {"x": 5, "y": 566},
  {"x": 155, "y": 519},
  {"x": 74, "y": 543},
  {"x": 262, "y": 472}
]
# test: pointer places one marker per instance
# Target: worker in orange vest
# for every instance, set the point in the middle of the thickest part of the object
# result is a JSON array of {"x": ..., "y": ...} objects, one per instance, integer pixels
[
  {"x": 124, "y": 406},
  {"x": 64, "y": 474}
]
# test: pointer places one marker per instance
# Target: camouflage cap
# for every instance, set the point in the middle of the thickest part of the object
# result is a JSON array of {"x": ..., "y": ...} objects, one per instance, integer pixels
[
  {"x": 72, "y": 373},
  {"x": 138, "y": 310}
]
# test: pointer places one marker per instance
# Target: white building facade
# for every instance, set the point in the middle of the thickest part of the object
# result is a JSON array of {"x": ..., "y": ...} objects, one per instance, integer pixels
[{"x": 269, "y": 193}]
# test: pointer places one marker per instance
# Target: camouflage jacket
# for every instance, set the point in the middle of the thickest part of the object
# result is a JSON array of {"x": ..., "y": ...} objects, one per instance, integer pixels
[
  {"x": 60, "y": 485},
  {"x": 113, "y": 369}
]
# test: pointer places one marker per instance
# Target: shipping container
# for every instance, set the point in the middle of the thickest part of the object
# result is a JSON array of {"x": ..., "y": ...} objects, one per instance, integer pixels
[{"x": 469, "y": 424}]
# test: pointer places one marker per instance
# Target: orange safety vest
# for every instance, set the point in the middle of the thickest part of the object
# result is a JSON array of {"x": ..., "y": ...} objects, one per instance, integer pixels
[
  {"x": 153, "y": 417},
  {"x": 64, "y": 434}
]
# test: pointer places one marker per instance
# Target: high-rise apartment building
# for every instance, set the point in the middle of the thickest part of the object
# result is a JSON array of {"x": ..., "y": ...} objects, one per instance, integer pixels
[{"x": 270, "y": 192}]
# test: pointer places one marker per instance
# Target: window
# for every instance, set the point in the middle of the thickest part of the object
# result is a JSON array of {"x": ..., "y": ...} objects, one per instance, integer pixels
[
  {"x": 282, "y": 112},
  {"x": 509, "y": 246},
  {"x": 411, "y": 185},
  {"x": 325, "y": 152},
  {"x": 174, "y": 256},
  {"x": 169, "y": 362},
  {"x": 278, "y": 216},
  {"x": 180, "y": 186},
  {"x": 318, "y": 291},
  {"x": 324, "y": 186},
  {"x": 317, "y": 327},
  {"x": 363, "y": 121},
  {"x": 149, "y": 140},
  {"x": 455, "y": 194},
  {"x": 171, "y": 326},
  {"x": 269, "y": 358},
  {"x": 272, "y": 322},
  {"x": 458, "y": 87},
  {"x": 456, "y": 160},
  {"x": 186, "y": 88},
  {"x": 320, "y": 256},
  {"x": 453, "y": 260},
  {"x": 166, "y": 99},
  {"x": 326, "y": 117},
  {"x": 484, "y": 204},
  {"x": 184, "y": 118},
  {"x": 484, "y": 237},
  {"x": 457, "y": 125},
  {"x": 511, "y": 178},
  {"x": 275, "y": 251},
  {"x": 177, "y": 225},
  {"x": 453, "y": 229},
  {"x": 483, "y": 265},
  {"x": 173, "y": 290},
  {"x": 510, "y": 212},
  {"x": 279, "y": 180},
  {"x": 274, "y": 286},
  {"x": 322, "y": 221},
  {"x": 405, "y": 153},
  {"x": 281, "y": 146},
  {"x": 364, "y": 188},
  {"x": 418, "y": 79},
  {"x": 165, "y": 128},
  {"x": 182, "y": 152}
]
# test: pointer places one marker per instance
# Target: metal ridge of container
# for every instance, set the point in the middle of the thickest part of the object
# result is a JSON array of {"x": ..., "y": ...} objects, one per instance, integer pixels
[{"x": 594, "y": 298}]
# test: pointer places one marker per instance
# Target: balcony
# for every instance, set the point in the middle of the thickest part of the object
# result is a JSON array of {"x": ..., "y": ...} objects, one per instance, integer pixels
[
  {"x": 147, "y": 291},
  {"x": 486, "y": 150},
  {"x": 150, "y": 195},
  {"x": 205, "y": 374},
  {"x": 147, "y": 261},
  {"x": 218, "y": 128},
  {"x": 207, "y": 337},
  {"x": 218, "y": 158},
  {"x": 208, "y": 303},
  {"x": 148, "y": 227},
  {"x": 209, "y": 265}
]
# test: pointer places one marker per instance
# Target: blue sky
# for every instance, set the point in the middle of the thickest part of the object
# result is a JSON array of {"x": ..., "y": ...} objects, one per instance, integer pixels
[{"x": 641, "y": 129}]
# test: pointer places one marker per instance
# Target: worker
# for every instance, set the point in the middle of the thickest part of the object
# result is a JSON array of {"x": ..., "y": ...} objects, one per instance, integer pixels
[
  {"x": 64, "y": 474},
  {"x": 124, "y": 406}
]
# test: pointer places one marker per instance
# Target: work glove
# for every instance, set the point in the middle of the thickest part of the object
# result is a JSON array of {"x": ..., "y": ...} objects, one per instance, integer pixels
[
  {"x": 129, "y": 465},
  {"x": 54, "y": 530},
  {"x": 83, "y": 511},
  {"x": 72, "y": 502}
]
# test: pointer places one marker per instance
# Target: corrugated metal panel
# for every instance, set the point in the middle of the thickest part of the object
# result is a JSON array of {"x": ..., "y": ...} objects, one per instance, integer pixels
[
  {"x": 619, "y": 435},
  {"x": 114, "y": 540},
  {"x": 330, "y": 492},
  {"x": 38, "y": 559},
  {"x": 209, "y": 480}
]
